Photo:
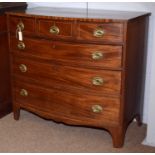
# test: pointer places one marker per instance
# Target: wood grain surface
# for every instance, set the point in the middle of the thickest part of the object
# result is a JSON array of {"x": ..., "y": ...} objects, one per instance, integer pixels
[
  {"x": 60, "y": 68},
  {"x": 5, "y": 86},
  {"x": 57, "y": 76},
  {"x": 62, "y": 105},
  {"x": 69, "y": 53}
]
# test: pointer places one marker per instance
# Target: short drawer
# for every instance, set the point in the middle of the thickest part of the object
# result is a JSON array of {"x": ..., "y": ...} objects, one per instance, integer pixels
[
  {"x": 27, "y": 24},
  {"x": 67, "y": 107},
  {"x": 66, "y": 77},
  {"x": 84, "y": 55},
  {"x": 55, "y": 29},
  {"x": 100, "y": 32}
]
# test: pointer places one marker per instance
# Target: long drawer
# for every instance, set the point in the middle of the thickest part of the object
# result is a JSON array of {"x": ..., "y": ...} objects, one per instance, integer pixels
[
  {"x": 94, "y": 81},
  {"x": 84, "y": 55},
  {"x": 79, "y": 109}
]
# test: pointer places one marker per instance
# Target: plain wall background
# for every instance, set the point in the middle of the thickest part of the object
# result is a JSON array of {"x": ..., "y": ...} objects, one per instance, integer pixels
[{"x": 149, "y": 98}]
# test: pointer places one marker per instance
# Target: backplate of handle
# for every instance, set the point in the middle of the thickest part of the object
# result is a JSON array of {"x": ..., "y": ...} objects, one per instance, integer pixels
[
  {"x": 97, "y": 55},
  {"x": 23, "y": 68},
  {"x": 21, "y": 46},
  {"x": 98, "y": 81},
  {"x": 23, "y": 92},
  {"x": 97, "y": 108},
  {"x": 54, "y": 30},
  {"x": 20, "y": 25},
  {"x": 99, "y": 32}
]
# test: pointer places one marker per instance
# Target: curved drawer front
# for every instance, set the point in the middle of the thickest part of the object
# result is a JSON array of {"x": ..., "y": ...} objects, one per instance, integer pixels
[
  {"x": 94, "y": 81},
  {"x": 108, "y": 33},
  {"x": 62, "y": 106},
  {"x": 55, "y": 29},
  {"x": 102, "y": 32},
  {"x": 84, "y": 55}
]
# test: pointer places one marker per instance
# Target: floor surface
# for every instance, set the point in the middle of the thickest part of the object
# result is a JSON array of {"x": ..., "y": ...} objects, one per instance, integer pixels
[{"x": 34, "y": 134}]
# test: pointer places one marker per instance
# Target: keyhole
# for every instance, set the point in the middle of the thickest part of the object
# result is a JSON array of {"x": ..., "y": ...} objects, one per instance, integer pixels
[{"x": 53, "y": 46}]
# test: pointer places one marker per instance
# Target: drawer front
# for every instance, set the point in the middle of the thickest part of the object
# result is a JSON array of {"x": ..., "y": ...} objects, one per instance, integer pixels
[
  {"x": 62, "y": 106},
  {"x": 106, "y": 32},
  {"x": 84, "y": 55},
  {"x": 65, "y": 77},
  {"x": 27, "y": 24},
  {"x": 55, "y": 29}
]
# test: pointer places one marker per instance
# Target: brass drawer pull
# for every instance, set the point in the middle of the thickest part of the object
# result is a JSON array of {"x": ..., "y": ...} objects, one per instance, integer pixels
[
  {"x": 97, "y": 108},
  {"x": 23, "y": 92},
  {"x": 97, "y": 55},
  {"x": 23, "y": 68},
  {"x": 54, "y": 30},
  {"x": 97, "y": 81},
  {"x": 20, "y": 26},
  {"x": 21, "y": 46},
  {"x": 98, "y": 33}
]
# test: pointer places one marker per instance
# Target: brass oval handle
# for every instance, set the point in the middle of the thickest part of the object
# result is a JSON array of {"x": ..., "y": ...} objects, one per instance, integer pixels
[
  {"x": 21, "y": 46},
  {"x": 23, "y": 92},
  {"x": 23, "y": 68},
  {"x": 20, "y": 26},
  {"x": 97, "y": 81},
  {"x": 98, "y": 32},
  {"x": 97, "y": 55},
  {"x": 54, "y": 30},
  {"x": 97, "y": 108}
]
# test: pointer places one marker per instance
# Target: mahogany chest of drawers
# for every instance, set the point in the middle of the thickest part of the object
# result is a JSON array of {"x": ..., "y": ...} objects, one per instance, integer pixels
[
  {"x": 5, "y": 99},
  {"x": 79, "y": 68}
]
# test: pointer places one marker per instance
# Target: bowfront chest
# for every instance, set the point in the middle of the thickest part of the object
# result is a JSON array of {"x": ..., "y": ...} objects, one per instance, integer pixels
[{"x": 79, "y": 68}]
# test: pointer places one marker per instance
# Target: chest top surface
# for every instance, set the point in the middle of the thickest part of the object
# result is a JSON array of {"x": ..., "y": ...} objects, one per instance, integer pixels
[{"x": 80, "y": 14}]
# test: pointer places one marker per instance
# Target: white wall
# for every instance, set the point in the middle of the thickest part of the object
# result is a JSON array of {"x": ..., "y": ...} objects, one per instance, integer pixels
[
  {"x": 149, "y": 101},
  {"x": 67, "y": 4},
  {"x": 150, "y": 96}
]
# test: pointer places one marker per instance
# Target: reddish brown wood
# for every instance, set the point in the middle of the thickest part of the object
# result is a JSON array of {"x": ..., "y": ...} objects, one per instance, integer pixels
[
  {"x": 71, "y": 106},
  {"x": 29, "y": 25},
  {"x": 3, "y": 26},
  {"x": 65, "y": 28},
  {"x": 68, "y": 53},
  {"x": 69, "y": 77},
  {"x": 60, "y": 68},
  {"x": 113, "y": 32},
  {"x": 138, "y": 119},
  {"x": 5, "y": 99},
  {"x": 5, "y": 92},
  {"x": 135, "y": 63},
  {"x": 118, "y": 135},
  {"x": 16, "y": 111}
]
